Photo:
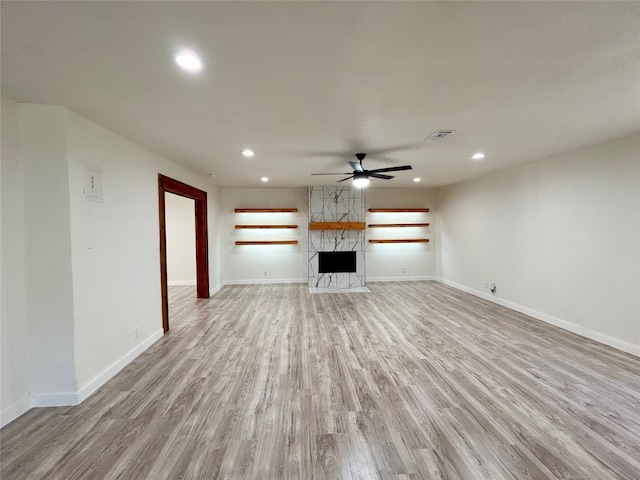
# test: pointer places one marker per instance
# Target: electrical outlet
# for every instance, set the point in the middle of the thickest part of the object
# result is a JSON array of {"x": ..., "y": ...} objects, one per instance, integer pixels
[
  {"x": 404, "y": 269},
  {"x": 265, "y": 274},
  {"x": 135, "y": 332}
]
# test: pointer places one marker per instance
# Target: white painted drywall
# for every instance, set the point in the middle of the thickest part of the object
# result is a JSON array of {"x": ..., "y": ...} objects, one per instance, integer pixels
[
  {"x": 560, "y": 238},
  {"x": 387, "y": 261},
  {"x": 180, "y": 222},
  {"x": 48, "y": 275},
  {"x": 282, "y": 263},
  {"x": 115, "y": 248},
  {"x": 14, "y": 375},
  {"x": 78, "y": 277}
]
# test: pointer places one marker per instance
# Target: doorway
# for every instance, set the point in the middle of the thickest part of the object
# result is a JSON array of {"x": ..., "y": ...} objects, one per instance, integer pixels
[
  {"x": 180, "y": 228},
  {"x": 170, "y": 185}
]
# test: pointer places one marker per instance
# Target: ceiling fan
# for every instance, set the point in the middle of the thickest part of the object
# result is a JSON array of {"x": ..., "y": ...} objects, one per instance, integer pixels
[{"x": 361, "y": 176}]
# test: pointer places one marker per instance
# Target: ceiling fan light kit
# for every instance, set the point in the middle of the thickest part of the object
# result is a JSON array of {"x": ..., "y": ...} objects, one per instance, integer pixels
[{"x": 360, "y": 179}]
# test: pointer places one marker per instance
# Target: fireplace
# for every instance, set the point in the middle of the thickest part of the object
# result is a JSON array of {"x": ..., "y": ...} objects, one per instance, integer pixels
[
  {"x": 336, "y": 262},
  {"x": 336, "y": 253}
]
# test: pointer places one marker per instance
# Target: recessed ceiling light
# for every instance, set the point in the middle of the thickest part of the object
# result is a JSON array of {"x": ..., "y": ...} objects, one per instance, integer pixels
[
  {"x": 188, "y": 60},
  {"x": 248, "y": 153},
  {"x": 478, "y": 156},
  {"x": 417, "y": 179},
  {"x": 264, "y": 179},
  {"x": 213, "y": 175}
]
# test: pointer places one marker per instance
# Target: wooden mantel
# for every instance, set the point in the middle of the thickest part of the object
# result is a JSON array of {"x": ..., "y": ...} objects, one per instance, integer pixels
[{"x": 337, "y": 225}]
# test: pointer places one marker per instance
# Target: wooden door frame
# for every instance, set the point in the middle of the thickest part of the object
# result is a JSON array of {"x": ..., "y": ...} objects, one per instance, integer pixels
[{"x": 170, "y": 185}]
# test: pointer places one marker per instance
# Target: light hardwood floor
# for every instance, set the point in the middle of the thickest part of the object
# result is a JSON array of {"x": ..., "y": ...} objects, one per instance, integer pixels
[{"x": 411, "y": 381}]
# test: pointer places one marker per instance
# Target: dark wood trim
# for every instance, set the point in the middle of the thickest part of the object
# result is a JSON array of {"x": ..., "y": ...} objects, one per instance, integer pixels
[
  {"x": 394, "y": 225},
  {"x": 170, "y": 185},
  {"x": 398, "y": 210},
  {"x": 266, "y": 242},
  {"x": 265, "y": 210},
  {"x": 412, "y": 240},
  {"x": 239, "y": 227},
  {"x": 337, "y": 225},
  {"x": 163, "y": 256}
]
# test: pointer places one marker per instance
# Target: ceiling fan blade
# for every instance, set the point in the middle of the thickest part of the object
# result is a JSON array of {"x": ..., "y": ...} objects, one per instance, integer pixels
[
  {"x": 379, "y": 175},
  {"x": 391, "y": 169},
  {"x": 356, "y": 166},
  {"x": 345, "y": 179},
  {"x": 349, "y": 173}
]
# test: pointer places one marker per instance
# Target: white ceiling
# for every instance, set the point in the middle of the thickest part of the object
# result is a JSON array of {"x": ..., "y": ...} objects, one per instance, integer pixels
[{"x": 308, "y": 84}]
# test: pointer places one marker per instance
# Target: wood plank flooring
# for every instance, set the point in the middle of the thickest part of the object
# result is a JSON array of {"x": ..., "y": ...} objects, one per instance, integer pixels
[{"x": 411, "y": 381}]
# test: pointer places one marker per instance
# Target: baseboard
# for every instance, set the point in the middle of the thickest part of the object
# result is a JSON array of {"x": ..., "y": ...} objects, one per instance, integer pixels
[
  {"x": 215, "y": 289},
  {"x": 403, "y": 278},
  {"x": 70, "y": 398},
  {"x": 13, "y": 411},
  {"x": 54, "y": 399},
  {"x": 260, "y": 281},
  {"x": 340, "y": 290},
  {"x": 565, "y": 325},
  {"x": 192, "y": 283},
  {"x": 90, "y": 387}
]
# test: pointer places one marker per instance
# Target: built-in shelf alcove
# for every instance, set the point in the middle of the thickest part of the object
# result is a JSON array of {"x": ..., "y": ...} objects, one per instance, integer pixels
[
  {"x": 399, "y": 225},
  {"x": 266, "y": 226}
]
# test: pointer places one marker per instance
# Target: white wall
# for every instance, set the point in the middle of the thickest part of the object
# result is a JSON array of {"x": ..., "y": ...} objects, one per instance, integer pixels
[
  {"x": 560, "y": 238},
  {"x": 78, "y": 277},
  {"x": 181, "y": 239},
  {"x": 48, "y": 275},
  {"x": 115, "y": 248},
  {"x": 387, "y": 261},
  {"x": 282, "y": 263},
  {"x": 14, "y": 383}
]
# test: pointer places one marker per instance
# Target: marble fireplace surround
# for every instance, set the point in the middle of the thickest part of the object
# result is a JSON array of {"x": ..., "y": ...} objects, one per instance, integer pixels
[{"x": 337, "y": 204}]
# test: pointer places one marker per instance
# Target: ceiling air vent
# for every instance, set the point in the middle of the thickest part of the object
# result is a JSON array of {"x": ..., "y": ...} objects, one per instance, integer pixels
[{"x": 439, "y": 134}]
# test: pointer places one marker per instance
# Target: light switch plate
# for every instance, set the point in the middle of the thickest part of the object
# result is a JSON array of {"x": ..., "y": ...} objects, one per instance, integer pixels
[{"x": 93, "y": 186}]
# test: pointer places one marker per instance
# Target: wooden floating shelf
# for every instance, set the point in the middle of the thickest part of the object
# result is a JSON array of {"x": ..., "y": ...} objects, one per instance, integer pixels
[
  {"x": 267, "y": 242},
  {"x": 412, "y": 240},
  {"x": 238, "y": 227},
  {"x": 394, "y": 225},
  {"x": 337, "y": 225},
  {"x": 398, "y": 210},
  {"x": 266, "y": 210}
]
